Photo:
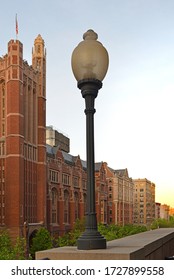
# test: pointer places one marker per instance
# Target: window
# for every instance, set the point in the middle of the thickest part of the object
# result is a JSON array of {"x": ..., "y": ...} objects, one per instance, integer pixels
[
  {"x": 65, "y": 179},
  {"x": 76, "y": 197},
  {"x": 2, "y": 148},
  {"x": 3, "y": 129},
  {"x": 14, "y": 47},
  {"x": 3, "y": 91},
  {"x": 14, "y": 59},
  {"x": 54, "y": 197},
  {"x": 85, "y": 203},
  {"x": 54, "y": 176},
  {"x": 54, "y": 206},
  {"x": 103, "y": 211},
  {"x": 15, "y": 73},
  {"x": 66, "y": 207},
  {"x": 75, "y": 181},
  {"x": 84, "y": 183}
]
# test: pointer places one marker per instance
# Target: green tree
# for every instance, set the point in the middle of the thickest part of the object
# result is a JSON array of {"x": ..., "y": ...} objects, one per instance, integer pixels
[
  {"x": 41, "y": 241},
  {"x": 70, "y": 238},
  {"x": 9, "y": 251},
  {"x": 5, "y": 246},
  {"x": 18, "y": 252},
  {"x": 162, "y": 223},
  {"x": 112, "y": 231}
]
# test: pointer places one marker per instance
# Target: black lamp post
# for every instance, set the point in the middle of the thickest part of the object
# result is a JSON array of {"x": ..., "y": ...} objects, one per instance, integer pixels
[{"x": 89, "y": 64}]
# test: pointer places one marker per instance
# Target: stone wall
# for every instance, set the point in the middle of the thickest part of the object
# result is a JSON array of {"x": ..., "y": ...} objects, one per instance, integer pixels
[{"x": 151, "y": 245}]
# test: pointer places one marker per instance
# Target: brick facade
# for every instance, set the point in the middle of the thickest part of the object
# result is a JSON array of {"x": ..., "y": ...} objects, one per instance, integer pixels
[
  {"x": 22, "y": 137},
  {"x": 66, "y": 190},
  {"x": 120, "y": 196}
]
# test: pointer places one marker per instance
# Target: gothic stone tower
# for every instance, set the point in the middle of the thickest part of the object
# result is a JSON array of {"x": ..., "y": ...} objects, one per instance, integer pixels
[{"x": 22, "y": 137}]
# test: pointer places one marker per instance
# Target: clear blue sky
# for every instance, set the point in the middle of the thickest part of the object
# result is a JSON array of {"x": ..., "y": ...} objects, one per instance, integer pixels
[{"x": 134, "y": 120}]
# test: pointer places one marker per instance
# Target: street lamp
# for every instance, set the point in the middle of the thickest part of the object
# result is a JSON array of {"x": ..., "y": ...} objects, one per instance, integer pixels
[{"x": 89, "y": 65}]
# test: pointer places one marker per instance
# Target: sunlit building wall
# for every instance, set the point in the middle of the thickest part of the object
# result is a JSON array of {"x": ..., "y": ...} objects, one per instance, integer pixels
[{"x": 144, "y": 202}]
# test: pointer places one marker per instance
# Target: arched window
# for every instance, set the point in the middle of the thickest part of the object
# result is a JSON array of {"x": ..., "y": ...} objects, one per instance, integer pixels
[
  {"x": 66, "y": 207},
  {"x": 76, "y": 198},
  {"x": 85, "y": 203},
  {"x": 54, "y": 206}
]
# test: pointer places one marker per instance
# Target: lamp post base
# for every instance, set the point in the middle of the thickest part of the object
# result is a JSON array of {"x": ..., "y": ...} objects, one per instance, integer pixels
[{"x": 91, "y": 241}]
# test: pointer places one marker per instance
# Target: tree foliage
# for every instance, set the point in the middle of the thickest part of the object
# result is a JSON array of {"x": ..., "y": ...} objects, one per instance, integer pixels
[
  {"x": 10, "y": 251},
  {"x": 70, "y": 238},
  {"x": 163, "y": 223},
  {"x": 41, "y": 241},
  {"x": 17, "y": 250},
  {"x": 110, "y": 232}
]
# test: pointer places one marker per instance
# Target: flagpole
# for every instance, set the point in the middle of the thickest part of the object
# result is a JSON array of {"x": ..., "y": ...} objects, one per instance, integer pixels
[{"x": 16, "y": 22}]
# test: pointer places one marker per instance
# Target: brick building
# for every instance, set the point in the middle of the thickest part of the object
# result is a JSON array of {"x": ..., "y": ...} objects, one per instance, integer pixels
[
  {"x": 120, "y": 196},
  {"x": 164, "y": 211},
  {"x": 22, "y": 137},
  {"x": 144, "y": 201},
  {"x": 66, "y": 190}
]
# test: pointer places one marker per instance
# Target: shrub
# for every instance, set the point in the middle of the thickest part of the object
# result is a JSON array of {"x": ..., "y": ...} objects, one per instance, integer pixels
[
  {"x": 70, "y": 238},
  {"x": 19, "y": 248},
  {"x": 162, "y": 223},
  {"x": 8, "y": 251},
  {"x": 41, "y": 241},
  {"x": 110, "y": 232}
]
